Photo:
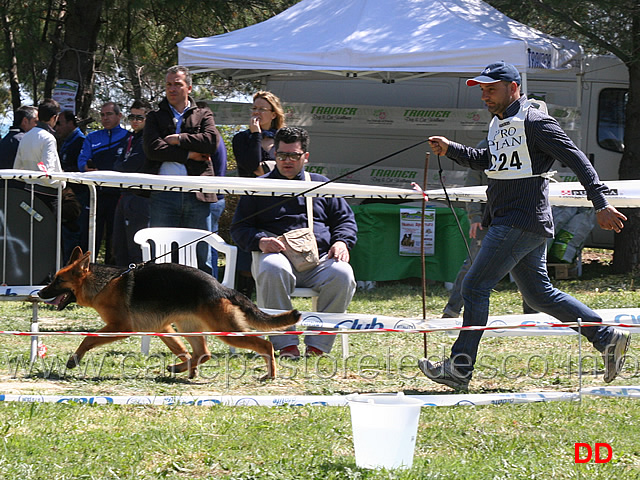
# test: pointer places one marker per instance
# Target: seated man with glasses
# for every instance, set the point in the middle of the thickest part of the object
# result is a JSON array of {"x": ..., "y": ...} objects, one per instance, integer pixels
[{"x": 257, "y": 222}]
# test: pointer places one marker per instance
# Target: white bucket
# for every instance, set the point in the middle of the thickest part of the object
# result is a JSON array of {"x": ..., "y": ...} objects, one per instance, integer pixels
[{"x": 384, "y": 429}]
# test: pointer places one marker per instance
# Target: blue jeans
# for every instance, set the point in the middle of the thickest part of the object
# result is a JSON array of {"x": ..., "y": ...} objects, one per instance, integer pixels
[
  {"x": 177, "y": 209},
  {"x": 508, "y": 249},
  {"x": 455, "y": 303},
  {"x": 216, "y": 210}
]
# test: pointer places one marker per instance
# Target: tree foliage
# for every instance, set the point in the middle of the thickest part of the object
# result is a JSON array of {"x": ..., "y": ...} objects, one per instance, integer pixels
[{"x": 120, "y": 55}]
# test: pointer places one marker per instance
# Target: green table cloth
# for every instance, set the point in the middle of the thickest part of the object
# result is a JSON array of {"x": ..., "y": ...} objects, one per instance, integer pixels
[{"x": 376, "y": 254}]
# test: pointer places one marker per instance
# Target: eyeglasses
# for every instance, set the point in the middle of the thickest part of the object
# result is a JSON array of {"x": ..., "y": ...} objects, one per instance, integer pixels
[
  {"x": 294, "y": 156},
  {"x": 260, "y": 109},
  {"x": 138, "y": 118}
]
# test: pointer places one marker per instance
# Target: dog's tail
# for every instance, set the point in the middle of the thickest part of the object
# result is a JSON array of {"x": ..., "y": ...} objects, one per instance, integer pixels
[{"x": 260, "y": 320}]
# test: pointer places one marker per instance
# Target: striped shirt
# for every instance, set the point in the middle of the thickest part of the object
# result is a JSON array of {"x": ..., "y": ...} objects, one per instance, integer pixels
[{"x": 524, "y": 203}]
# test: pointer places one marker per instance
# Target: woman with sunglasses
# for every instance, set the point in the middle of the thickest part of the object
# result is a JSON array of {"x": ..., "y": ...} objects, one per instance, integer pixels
[
  {"x": 253, "y": 148},
  {"x": 132, "y": 211}
]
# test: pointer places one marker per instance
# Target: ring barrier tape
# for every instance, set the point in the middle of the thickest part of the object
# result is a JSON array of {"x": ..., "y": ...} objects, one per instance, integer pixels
[
  {"x": 292, "y": 400},
  {"x": 622, "y": 193}
]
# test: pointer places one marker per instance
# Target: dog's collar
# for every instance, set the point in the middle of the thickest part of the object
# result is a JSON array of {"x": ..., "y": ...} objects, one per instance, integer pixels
[{"x": 132, "y": 266}]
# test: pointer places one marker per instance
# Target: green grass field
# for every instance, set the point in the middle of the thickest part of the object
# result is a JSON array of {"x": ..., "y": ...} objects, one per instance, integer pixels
[{"x": 530, "y": 441}]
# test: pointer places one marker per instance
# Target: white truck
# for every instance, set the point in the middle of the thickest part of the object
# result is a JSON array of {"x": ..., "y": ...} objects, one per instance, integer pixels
[
  {"x": 589, "y": 104},
  {"x": 355, "y": 121}
]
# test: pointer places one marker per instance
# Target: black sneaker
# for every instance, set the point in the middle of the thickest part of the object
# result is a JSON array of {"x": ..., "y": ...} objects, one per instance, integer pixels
[
  {"x": 614, "y": 355},
  {"x": 444, "y": 373},
  {"x": 449, "y": 313}
]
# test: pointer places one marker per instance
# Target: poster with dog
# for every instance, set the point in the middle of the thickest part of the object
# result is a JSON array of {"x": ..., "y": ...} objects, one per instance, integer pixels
[{"x": 410, "y": 228}]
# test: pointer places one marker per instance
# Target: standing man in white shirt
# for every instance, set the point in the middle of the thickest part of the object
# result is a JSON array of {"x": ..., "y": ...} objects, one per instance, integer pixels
[{"x": 38, "y": 149}]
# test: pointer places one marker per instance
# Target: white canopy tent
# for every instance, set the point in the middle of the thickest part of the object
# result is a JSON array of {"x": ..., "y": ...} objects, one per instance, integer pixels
[{"x": 388, "y": 39}]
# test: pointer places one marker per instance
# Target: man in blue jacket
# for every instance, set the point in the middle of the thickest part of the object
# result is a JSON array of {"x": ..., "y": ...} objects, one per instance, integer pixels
[
  {"x": 99, "y": 152},
  {"x": 334, "y": 227}
]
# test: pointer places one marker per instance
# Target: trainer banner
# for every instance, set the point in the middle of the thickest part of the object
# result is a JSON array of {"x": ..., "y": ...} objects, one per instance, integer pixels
[
  {"x": 621, "y": 193},
  {"x": 538, "y": 324},
  {"x": 220, "y": 185},
  {"x": 328, "y": 116},
  {"x": 292, "y": 400}
]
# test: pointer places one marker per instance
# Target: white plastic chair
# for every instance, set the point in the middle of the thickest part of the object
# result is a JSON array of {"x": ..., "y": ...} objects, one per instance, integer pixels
[
  {"x": 310, "y": 292},
  {"x": 185, "y": 240}
]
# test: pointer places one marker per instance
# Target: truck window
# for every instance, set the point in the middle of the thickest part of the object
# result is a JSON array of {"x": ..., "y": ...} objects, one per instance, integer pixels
[{"x": 611, "y": 111}]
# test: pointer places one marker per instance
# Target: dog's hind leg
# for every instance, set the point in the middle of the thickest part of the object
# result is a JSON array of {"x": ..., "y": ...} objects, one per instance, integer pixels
[{"x": 262, "y": 347}]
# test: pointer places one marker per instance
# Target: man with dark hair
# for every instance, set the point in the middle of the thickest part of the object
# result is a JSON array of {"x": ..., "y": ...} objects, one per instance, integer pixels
[
  {"x": 132, "y": 212},
  {"x": 256, "y": 227},
  {"x": 179, "y": 139},
  {"x": 523, "y": 143},
  {"x": 38, "y": 149},
  {"x": 71, "y": 140},
  {"x": 99, "y": 152},
  {"x": 24, "y": 119}
]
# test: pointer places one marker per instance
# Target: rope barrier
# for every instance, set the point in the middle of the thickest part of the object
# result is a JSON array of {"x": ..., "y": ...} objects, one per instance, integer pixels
[{"x": 338, "y": 331}]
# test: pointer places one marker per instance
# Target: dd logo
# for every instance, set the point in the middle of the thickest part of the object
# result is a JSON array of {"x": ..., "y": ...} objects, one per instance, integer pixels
[{"x": 592, "y": 453}]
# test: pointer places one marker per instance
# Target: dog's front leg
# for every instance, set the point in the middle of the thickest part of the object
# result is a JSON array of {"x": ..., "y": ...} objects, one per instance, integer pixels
[
  {"x": 92, "y": 342},
  {"x": 200, "y": 355}
]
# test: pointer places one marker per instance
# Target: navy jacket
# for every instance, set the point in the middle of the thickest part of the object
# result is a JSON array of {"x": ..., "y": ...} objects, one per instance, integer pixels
[
  {"x": 70, "y": 150},
  {"x": 101, "y": 147},
  {"x": 524, "y": 203},
  {"x": 9, "y": 147},
  {"x": 131, "y": 157},
  {"x": 333, "y": 219}
]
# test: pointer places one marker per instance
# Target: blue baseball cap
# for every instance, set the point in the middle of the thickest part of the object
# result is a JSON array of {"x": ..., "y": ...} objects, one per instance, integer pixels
[{"x": 496, "y": 72}]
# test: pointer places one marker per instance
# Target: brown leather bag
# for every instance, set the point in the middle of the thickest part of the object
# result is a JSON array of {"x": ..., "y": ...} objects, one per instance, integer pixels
[{"x": 301, "y": 247}]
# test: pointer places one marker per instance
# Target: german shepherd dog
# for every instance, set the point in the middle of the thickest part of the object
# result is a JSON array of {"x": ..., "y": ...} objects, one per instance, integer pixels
[{"x": 152, "y": 297}]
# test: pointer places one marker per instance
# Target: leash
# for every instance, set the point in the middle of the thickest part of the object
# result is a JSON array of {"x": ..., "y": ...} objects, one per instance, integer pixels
[
  {"x": 351, "y": 172},
  {"x": 309, "y": 190},
  {"x": 446, "y": 196}
]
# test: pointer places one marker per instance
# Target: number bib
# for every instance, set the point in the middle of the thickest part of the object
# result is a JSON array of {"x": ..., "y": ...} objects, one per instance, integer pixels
[{"x": 508, "y": 147}]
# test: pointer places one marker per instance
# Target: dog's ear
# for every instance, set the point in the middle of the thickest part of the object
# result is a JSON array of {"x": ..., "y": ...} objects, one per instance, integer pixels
[
  {"x": 75, "y": 255},
  {"x": 84, "y": 261}
]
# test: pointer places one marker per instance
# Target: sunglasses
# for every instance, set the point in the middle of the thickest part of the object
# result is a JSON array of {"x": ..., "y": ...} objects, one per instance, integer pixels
[
  {"x": 139, "y": 118},
  {"x": 282, "y": 156}
]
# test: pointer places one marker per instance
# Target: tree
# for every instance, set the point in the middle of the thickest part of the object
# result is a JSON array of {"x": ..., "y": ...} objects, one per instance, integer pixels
[
  {"x": 117, "y": 50},
  {"x": 611, "y": 26},
  {"x": 77, "y": 51},
  {"x": 25, "y": 57}
]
